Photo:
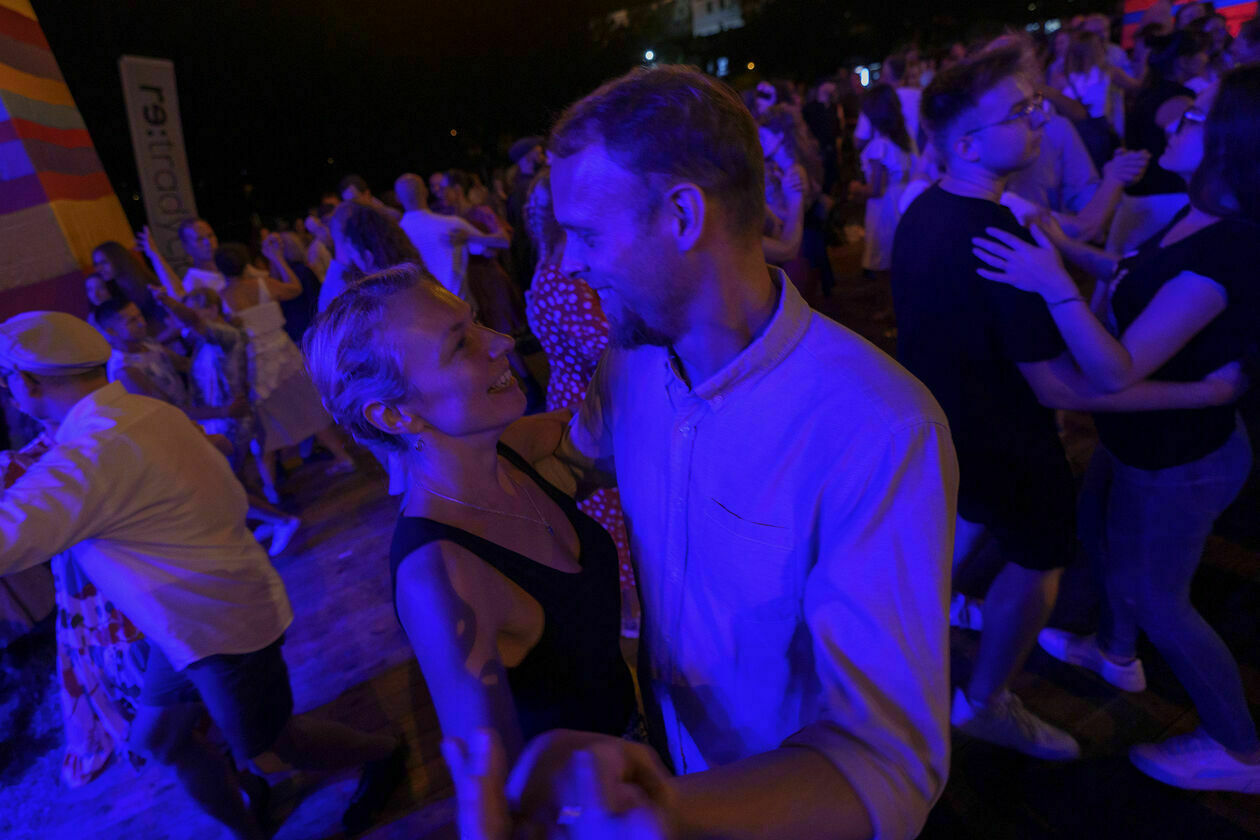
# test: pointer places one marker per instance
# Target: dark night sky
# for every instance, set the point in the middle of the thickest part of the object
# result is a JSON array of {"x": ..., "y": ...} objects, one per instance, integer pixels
[{"x": 269, "y": 90}]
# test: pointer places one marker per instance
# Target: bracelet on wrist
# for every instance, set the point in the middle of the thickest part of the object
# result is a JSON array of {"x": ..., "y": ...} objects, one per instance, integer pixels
[{"x": 1055, "y": 303}]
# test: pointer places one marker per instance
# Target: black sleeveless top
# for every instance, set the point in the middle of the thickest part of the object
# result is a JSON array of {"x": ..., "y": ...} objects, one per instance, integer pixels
[{"x": 575, "y": 676}]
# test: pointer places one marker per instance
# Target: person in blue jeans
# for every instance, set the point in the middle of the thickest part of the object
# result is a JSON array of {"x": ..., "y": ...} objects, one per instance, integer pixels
[{"x": 1180, "y": 307}]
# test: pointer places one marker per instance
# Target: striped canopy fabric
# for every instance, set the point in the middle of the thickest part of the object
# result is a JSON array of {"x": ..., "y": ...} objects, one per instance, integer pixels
[{"x": 56, "y": 202}]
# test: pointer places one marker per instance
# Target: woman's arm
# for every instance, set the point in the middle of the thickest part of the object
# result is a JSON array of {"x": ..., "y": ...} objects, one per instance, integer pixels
[
  {"x": 1180, "y": 309},
  {"x": 183, "y": 314},
  {"x": 282, "y": 283},
  {"x": 448, "y": 613},
  {"x": 170, "y": 280},
  {"x": 1123, "y": 169},
  {"x": 1059, "y": 383}
]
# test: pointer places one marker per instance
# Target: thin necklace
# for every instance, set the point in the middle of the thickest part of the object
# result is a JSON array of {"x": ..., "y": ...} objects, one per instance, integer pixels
[
  {"x": 541, "y": 520},
  {"x": 528, "y": 495}
]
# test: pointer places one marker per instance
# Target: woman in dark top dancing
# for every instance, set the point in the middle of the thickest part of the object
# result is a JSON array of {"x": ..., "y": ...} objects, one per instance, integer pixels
[
  {"x": 1181, "y": 306},
  {"x": 508, "y": 593}
]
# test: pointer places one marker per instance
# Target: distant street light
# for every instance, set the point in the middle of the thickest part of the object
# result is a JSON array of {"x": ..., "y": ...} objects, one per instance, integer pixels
[
  {"x": 752, "y": 65},
  {"x": 454, "y": 132},
  {"x": 649, "y": 55}
]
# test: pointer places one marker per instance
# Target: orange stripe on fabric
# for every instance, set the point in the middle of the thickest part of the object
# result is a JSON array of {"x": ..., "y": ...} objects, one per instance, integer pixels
[
  {"x": 34, "y": 87},
  {"x": 21, "y": 27},
  {"x": 86, "y": 224},
  {"x": 76, "y": 187},
  {"x": 21, "y": 7}
]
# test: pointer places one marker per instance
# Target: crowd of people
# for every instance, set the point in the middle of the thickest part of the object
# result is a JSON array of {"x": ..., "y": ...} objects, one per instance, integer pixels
[{"x": 1064, "y": 224}]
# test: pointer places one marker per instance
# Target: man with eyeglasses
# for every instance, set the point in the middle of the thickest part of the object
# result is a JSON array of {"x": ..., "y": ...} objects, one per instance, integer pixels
[{"x": 980, "y": 349}]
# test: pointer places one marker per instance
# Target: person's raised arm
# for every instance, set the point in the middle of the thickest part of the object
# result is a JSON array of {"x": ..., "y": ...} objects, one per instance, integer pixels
[
  {"x": 186, "y": 316},
  {"x": 1180, "y": 309},
  {"x": 445, "y": 604},
  {"x": 1123, "y": 169},
  {"x": 282, "y": 283},
  {"x": 170, "y": 280}
]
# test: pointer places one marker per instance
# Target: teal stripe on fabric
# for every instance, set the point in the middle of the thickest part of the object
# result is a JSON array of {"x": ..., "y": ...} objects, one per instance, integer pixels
[
  {"x": 32, "y": 110},
  {"x": 14, "y": 161}
]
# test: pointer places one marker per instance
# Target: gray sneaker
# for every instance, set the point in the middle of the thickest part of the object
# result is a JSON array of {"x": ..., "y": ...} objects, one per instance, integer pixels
[
  {"x": 1084, "y": 651},
  {"x": 1007, "y": 723}
]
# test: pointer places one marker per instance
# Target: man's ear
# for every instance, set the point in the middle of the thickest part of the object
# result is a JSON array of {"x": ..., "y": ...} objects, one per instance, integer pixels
[
  {"x": 967, "y": 147},
  {"x": 391, "y": 419},
  {"x": 685, "y": 207}
]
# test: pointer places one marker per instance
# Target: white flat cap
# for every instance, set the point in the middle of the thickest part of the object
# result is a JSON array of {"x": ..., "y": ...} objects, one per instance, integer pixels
[{"x": 51, "y": 343}]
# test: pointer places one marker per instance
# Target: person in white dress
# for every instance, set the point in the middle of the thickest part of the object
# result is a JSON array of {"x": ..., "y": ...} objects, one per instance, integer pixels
[
  {"x": 887, "y": 162},
  {"x": 287, "y": 403}
]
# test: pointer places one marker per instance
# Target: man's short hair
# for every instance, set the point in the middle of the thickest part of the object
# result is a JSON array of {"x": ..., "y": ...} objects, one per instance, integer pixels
[
  {"x": 956, "y": 90},
  {"x": 676, "y": 123},
  {"x": 231, "y": 258},
  {"x": 109, "y": 309},
  {"x": 352, "y": 181}
]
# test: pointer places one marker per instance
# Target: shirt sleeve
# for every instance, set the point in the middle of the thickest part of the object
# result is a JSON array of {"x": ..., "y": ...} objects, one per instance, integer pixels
[
  {"x": 863, "y": 129},
  {"x": 58, "y": 502},
  {"x": 1026, "y": 329},
  {"x": 1080, "y": 176},
  {"x": 877, "y": 609}
]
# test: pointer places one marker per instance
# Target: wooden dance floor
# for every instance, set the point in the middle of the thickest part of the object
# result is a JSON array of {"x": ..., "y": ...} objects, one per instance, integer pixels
[{"x": 350, "y": 662}]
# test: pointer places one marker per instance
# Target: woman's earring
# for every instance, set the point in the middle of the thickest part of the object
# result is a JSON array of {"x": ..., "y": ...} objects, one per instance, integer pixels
[{"x": 418, "y": 445}]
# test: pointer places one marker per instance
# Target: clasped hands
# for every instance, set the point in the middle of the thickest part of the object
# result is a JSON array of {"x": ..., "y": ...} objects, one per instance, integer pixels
[{"x": 565, "y": 784}]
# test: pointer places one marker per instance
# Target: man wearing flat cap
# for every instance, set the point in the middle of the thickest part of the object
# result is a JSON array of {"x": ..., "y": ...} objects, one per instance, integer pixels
[{"x": 154, "y": 516}]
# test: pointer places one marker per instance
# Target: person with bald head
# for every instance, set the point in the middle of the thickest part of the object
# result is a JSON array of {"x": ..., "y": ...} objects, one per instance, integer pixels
[{"x": 441, "y": 240}]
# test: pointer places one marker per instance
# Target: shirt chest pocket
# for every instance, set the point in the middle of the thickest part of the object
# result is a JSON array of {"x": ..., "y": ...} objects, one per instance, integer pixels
[{"x": 748, "y": 562}]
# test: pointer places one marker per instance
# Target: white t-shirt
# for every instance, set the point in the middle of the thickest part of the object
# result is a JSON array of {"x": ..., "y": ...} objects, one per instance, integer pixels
[{"x": 430, "y": 233}]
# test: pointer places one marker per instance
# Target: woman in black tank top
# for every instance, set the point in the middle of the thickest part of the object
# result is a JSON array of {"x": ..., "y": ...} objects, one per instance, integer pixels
[{"x": 508, "y": 593}]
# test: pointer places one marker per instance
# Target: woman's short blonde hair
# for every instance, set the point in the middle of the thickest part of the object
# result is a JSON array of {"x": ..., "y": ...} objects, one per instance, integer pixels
[{"x": 351, "y": 359}]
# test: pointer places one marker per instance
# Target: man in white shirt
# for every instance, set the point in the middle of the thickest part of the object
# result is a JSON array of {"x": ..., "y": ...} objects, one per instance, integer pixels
[
  {"x": 153, "y": 514},
  {"x": 441, "y": 240},
  {"x": 788, "y": 489}
]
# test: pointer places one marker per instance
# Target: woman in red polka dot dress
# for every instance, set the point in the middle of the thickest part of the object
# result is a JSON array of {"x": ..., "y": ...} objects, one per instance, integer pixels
[{"x": 565, "y": 315}]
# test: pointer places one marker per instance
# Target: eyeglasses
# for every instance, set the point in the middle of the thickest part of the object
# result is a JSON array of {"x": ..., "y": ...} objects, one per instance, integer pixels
[
  {"x": 1032, "y": 106},
  {"x": 1191, "y": 115}
]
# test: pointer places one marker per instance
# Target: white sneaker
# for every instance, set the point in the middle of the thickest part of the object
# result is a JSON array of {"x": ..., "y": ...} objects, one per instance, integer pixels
[
  {"x": 966, "y": 612},
  {"x": 1084, "y": 651},
  {"x": 1008, "y": 724},
  {"x": 1196, "y": 761}
]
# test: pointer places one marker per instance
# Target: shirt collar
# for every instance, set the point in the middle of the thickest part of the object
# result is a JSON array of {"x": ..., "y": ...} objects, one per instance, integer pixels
[
  {"x": 786, "y": 327},
  {"x": 79, "y": 416}
]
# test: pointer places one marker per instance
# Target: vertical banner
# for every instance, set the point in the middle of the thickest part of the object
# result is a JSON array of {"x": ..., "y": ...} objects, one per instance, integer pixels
[{"x": 158, "y": 140}]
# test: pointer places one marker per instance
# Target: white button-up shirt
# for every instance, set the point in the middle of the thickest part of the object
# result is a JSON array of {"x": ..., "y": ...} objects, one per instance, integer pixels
[
  {"x": 791, "y": 521},
  {"x": 154, "y": 516}
]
